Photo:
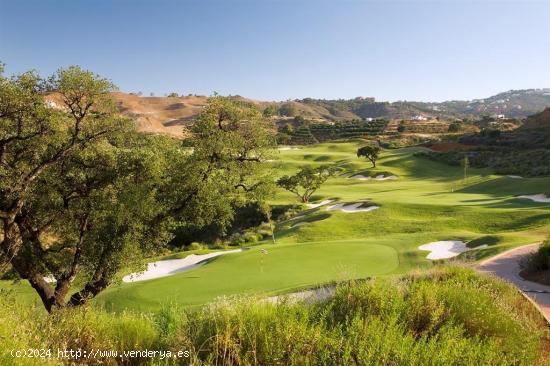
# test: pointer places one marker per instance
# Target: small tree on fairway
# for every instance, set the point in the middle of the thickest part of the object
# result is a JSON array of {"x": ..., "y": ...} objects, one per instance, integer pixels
[
  {"x": 370, "y": 152},
  {"x": 308, "y": 180}
]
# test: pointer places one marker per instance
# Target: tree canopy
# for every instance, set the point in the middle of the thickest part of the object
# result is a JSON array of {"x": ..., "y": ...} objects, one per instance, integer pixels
[
  {"x": 82, "y": 193},
  {"x": 306, "y": 181},
  {"x": 370, "y": 152}
]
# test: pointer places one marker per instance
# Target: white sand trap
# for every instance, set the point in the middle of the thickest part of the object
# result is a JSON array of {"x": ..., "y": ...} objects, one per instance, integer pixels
[
  {"x": 284, "y": 148},
  {"x": 446, "y": 249},
  {"x": 319, "y": 204},
  {"x": 515, "y": 176},
  {"x": 352, "y": 207},
  {"x": 172, "y": 266},
  {"x": 378, "y": 177},
  {"x": 537, "y": 198}
]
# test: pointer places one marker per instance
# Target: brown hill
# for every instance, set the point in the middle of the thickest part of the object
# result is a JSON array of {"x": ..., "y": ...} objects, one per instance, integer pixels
[
  {"x": 169, "y": 115},
  {"x": 166, "y": 115},
  {"x": 173, "y": 115},
  {"x": 538, "y": 120}
]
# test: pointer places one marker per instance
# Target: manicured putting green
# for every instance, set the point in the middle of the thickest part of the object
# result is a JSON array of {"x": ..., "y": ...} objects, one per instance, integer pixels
[{"x": 259, "y": 270}]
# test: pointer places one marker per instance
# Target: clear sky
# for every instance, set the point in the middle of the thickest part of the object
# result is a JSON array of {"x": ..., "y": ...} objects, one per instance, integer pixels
[{"x": 286, "y": 49}]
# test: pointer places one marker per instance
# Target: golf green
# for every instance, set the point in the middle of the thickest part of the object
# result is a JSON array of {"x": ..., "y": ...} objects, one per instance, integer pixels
[{"x": 258, "y": 270}]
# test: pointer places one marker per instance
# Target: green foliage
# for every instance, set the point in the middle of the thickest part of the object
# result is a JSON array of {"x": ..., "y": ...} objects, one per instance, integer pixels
[
  {"x": 194, "y": 246},
  {"x": 306, "y": 181},
  {"x": 538, "y": 261},
  {"x": 231, "y": 141},
  {"x": 81, "y": 193},
  {"x": 370, "y": 152},
  {"x": 320, "y": 132},
  {"x": 75, "y": 184},
  {"x": 528, "y": 163},
  {"x": 271, "y": 110},
  {"x": 456, "y": 126}
]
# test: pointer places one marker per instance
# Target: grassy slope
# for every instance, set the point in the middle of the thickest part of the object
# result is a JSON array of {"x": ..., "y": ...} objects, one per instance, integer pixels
[
  {"x": 428, "y": 202},
  {"x": 446, "y": 316}
]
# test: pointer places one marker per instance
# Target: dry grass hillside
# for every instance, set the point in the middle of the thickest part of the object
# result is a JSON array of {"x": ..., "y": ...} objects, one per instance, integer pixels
[
  {"x": 173, "y": 115},
  {"x": 169, "y": 115}
]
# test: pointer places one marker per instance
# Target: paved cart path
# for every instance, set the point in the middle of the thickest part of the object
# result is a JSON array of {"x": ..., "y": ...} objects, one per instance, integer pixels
[{"x": 506, "y": 266}]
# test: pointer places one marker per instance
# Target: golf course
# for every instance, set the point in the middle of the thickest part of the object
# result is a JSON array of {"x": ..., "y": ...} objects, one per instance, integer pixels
[{"x": 429, "y": 201}]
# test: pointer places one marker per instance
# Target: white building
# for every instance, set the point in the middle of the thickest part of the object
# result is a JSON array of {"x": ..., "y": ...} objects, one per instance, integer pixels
[{"x": 419, "y": 118}]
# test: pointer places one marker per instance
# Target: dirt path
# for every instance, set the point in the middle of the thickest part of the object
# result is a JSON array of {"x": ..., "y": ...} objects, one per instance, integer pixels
[{"x": 506, "y": 266}]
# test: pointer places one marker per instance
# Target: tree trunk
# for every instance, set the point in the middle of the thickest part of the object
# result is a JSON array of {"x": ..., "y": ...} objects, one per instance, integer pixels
[
  {"x": 89, "y": 291},
  {"x": 11, "y": 245}
]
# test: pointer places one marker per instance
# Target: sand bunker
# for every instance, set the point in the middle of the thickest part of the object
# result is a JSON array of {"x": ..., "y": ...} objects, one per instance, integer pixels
[
  {"x": 446, "y": 249},
  {"x": 319, "y": 204},
  {"x": 515, "y": 176},
  {"x": 352, "y": 207},
  {"x": 378, "y": 177},
  {"x": 283, "y": 148},
  {"x": 172, "y": 266},
  {"x": 537, "y": 198}
]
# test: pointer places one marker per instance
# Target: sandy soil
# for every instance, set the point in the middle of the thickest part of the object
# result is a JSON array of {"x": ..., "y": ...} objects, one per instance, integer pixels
[
  {"x": 319, "y": 204},
  {"x": 172, "y": 266},
  {"x": 378, "y": 177},
  {"x": 537, "y": 198},
  {"x": 446, "y": 249},
  {"x": 352, "y": 207}
]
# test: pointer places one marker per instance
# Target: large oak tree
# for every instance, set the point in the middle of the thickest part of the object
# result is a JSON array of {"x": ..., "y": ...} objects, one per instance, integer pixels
[{"x": 82, "y": 194}]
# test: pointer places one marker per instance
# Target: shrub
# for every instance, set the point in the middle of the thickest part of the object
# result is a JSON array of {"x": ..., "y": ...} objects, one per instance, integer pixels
[
  {"x": 194, "y": 246},
  {"x": 538, "y": 261}
]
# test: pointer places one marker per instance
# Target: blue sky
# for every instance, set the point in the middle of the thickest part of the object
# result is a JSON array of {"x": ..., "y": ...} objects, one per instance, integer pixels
[{"x": 286, "y": 49}]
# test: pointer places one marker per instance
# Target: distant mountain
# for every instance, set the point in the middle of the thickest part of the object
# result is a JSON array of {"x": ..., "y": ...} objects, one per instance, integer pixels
[
  {"x": 172, "y": 115},
  {"x": 511, "y": 104}
]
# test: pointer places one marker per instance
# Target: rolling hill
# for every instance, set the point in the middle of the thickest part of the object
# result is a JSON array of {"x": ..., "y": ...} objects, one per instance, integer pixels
[{"x": 172, "y": 115}]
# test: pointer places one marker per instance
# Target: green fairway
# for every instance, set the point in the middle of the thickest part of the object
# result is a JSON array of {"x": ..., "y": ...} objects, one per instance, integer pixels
[
  {"x": 429, "y": 201},
  {"x": 256, "y": 271}
]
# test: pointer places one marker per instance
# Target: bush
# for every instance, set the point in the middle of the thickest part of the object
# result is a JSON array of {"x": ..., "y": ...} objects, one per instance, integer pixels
[
  {"x": 194, "y": 246},
  {"x": 538, "y": 261}
]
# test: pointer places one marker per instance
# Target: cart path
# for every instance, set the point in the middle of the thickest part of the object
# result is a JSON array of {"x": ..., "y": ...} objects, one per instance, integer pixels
[{"x": 506, "y": 266}]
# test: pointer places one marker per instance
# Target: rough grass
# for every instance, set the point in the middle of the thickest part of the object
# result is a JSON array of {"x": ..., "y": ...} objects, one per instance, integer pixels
[{"x": 446, "y": 316}]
